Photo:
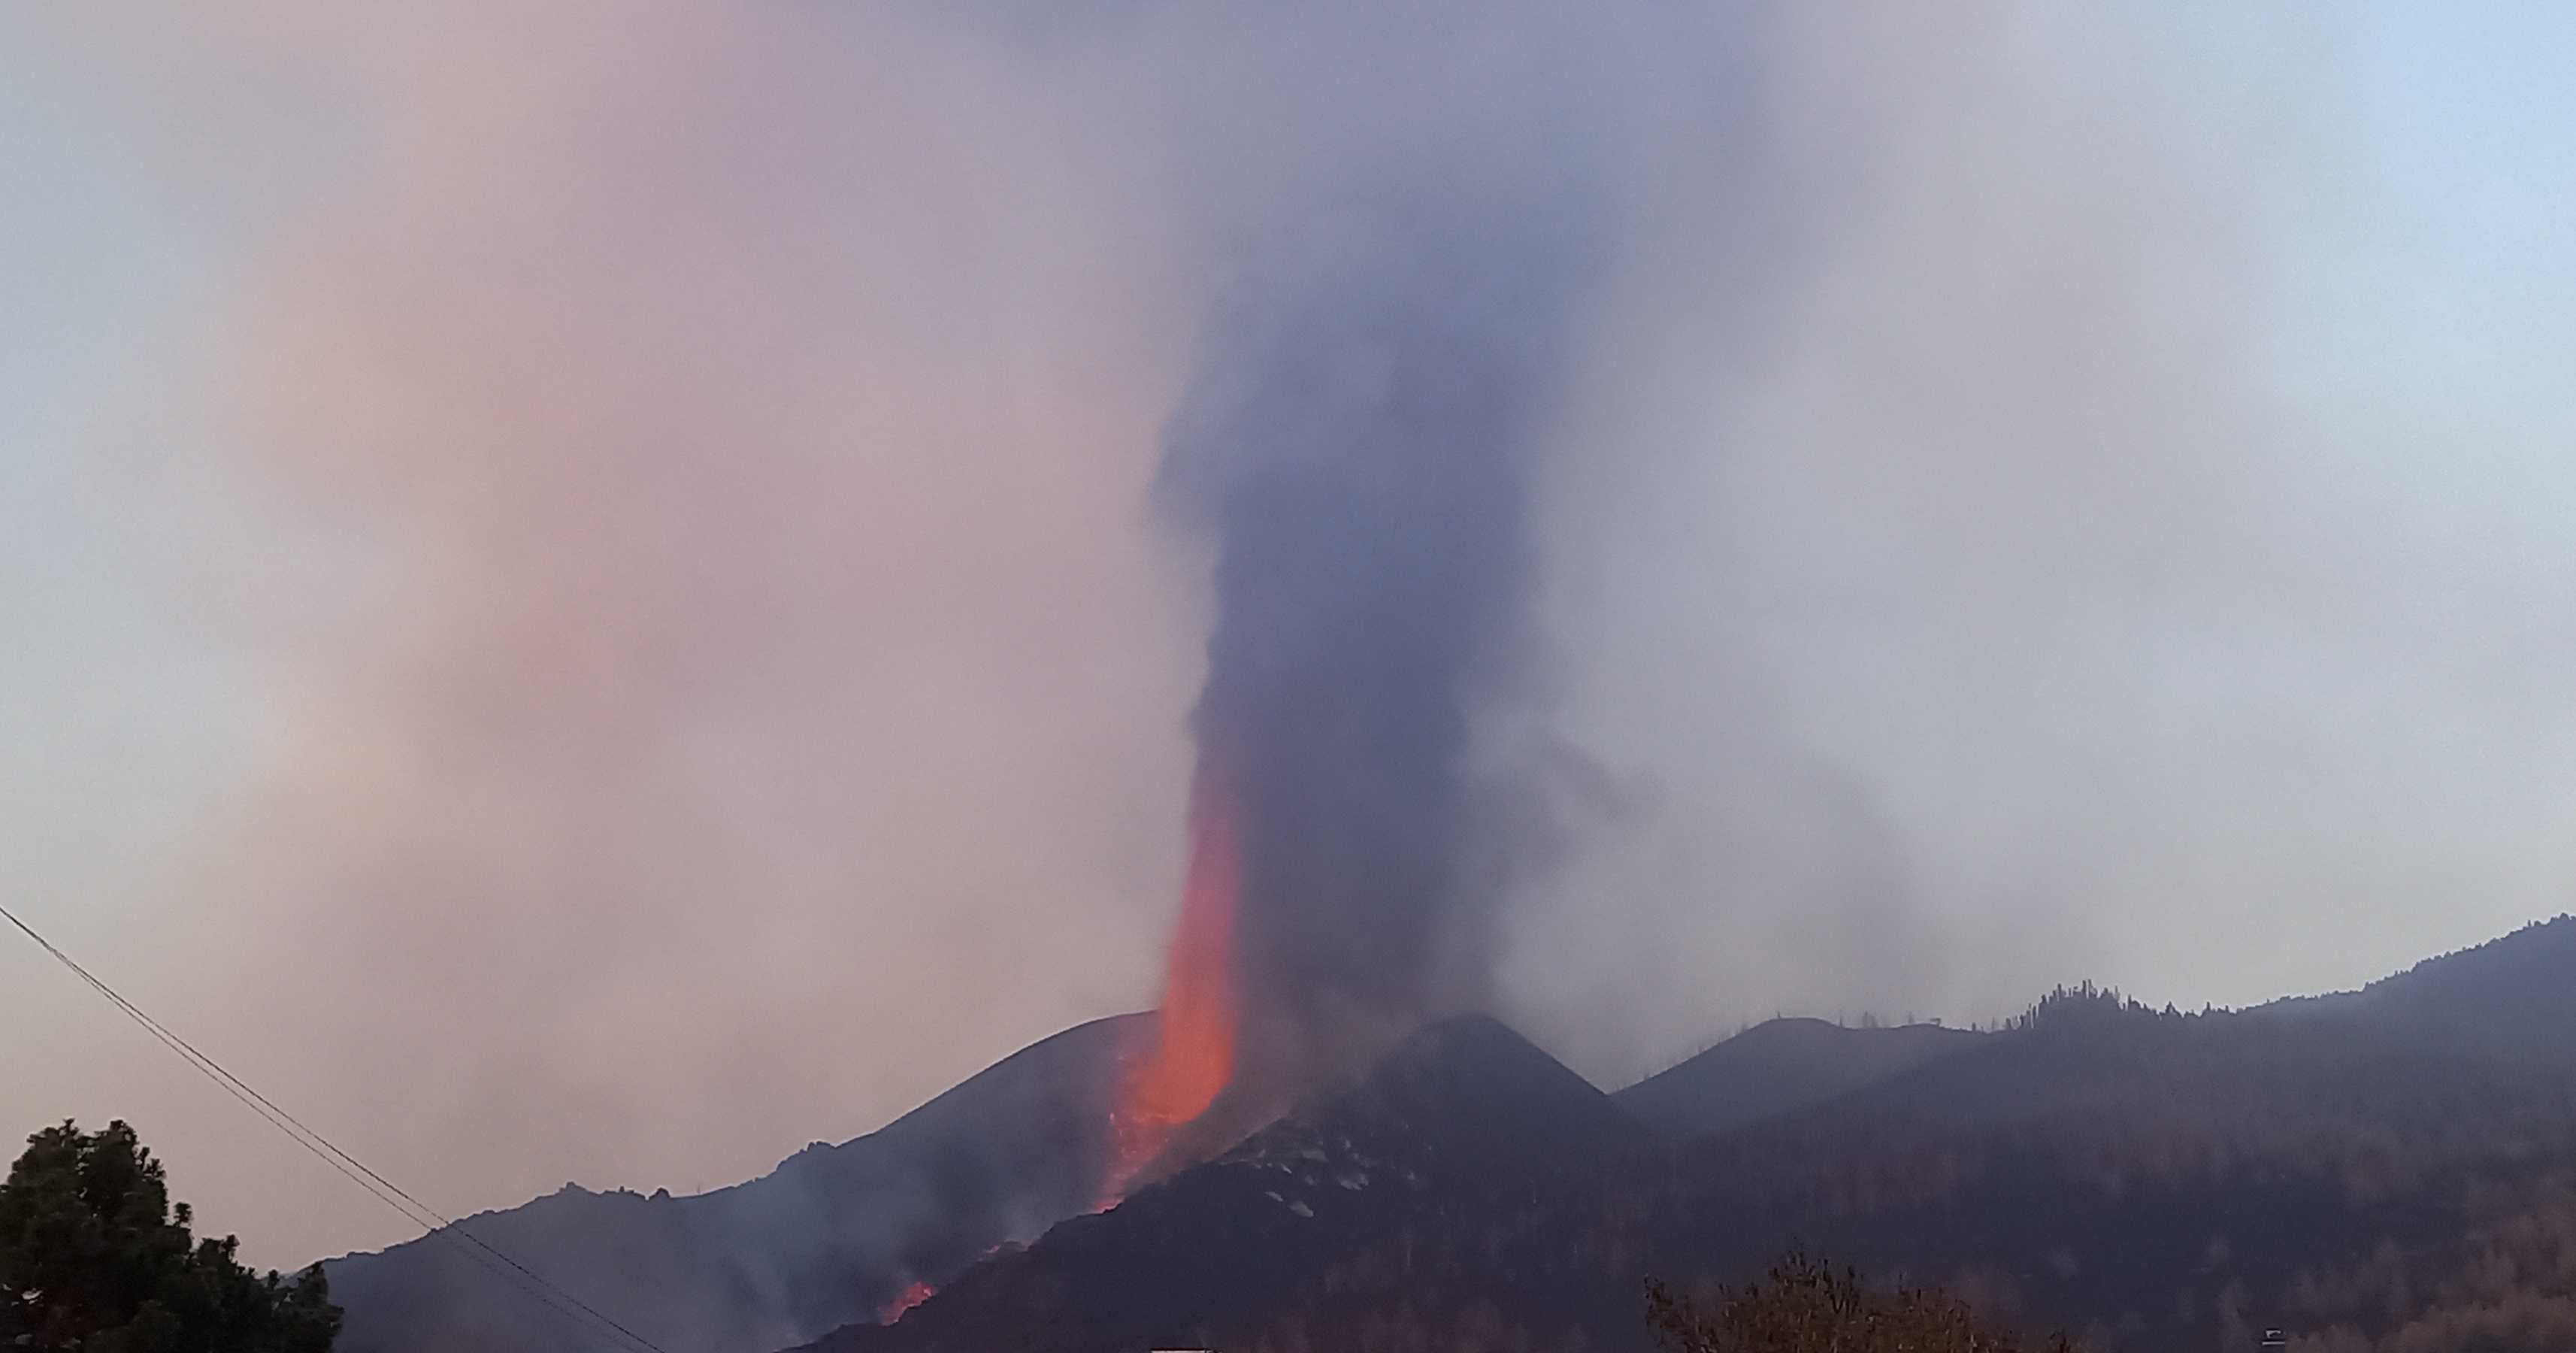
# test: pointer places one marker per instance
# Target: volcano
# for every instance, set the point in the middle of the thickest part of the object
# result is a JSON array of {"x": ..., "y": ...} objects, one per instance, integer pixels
[
  {"x": 1464, "y": 1117},
  {"x": 2367, "y": 1162},
  {"x": 2146, "y": 1178}
]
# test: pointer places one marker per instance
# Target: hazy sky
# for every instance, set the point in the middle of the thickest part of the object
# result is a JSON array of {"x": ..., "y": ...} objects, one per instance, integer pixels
[{"x": 585, "y": 606}]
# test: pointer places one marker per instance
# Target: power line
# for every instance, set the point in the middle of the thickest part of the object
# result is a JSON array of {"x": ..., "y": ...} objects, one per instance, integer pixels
[
  {"x": 518, "y": 1275},
  {"x": 501, "y": 1265}
]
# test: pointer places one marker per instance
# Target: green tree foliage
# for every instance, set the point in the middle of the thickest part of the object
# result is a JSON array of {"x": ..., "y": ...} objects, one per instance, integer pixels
[
  {"x": 95, "y": 1259},
  {"x": 1806, "y": 1306}
]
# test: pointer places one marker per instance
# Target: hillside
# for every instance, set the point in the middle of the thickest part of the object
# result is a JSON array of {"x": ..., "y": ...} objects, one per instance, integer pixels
[
  {"x": 2509, "y": 998},
  {"x": 2389, "y": 1169},
  {"x": 2392, "y": 1171},
  {"x": 1781, "y": 1065},
  {"x": 2142, "y": 1175},
  {"x": 830, "y": 1236},
  {"x": 1464, "y": 1119},
  {"x": 2150, "y": 1181}
]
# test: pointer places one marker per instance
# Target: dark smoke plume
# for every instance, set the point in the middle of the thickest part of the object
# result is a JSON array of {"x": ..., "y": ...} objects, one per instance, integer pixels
[{"x": 1360, "y": 434}]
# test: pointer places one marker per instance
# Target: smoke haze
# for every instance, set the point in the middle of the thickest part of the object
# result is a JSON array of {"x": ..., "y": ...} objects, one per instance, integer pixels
[{"x": 686, "y": 504}]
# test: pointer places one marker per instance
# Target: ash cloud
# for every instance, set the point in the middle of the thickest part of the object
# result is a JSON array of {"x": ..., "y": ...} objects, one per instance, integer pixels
[
  {"x": 1409, "y": 220},
  {"x": 1359, "y": 438}
]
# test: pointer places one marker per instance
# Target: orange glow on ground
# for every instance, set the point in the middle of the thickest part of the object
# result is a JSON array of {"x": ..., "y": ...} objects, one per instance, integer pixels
[{"x": 911, "y": 1296}]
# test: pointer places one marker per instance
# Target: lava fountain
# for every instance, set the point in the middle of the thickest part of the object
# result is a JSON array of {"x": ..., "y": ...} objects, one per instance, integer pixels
[{"x": 1196, "y": 1028}]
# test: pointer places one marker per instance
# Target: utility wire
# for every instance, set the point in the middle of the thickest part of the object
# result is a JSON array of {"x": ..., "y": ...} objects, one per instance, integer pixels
[
  {"x": 513, "y": 1272},
  {"x": 518, "y": 1275}
]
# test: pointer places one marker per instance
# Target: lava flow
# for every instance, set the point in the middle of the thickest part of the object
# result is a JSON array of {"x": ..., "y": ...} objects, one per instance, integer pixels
[
  {"x": 911, "y": 1296},
  {"x": 1194, "y": 1036}
]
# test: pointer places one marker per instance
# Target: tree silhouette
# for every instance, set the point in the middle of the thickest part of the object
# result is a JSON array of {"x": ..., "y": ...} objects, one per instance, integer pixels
[
  {"x": 1806, "y": 1306},
  {"x": 95, "y": 1259}
]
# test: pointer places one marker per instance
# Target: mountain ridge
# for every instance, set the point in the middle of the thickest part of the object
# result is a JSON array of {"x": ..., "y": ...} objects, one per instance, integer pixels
[
  {"x": 2350, "y": 1165},
  {"x": 2383, "y": 1176},
  {"x": 829, "y": 1235},
  {"x": 1780, "y": 1065},
  {"x": 1435, "y": 1124}
]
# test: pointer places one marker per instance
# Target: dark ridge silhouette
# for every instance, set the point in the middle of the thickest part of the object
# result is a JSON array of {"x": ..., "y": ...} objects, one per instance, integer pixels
[
  {"x": 1781, "y": 1065},
  {"x": 830, "y": 1236}
]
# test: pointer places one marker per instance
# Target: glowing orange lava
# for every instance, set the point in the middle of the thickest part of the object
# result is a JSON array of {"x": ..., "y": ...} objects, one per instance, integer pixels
[
  {"x": 1194, "y": 1035},
  {"x": 911, "y": 1296}
]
